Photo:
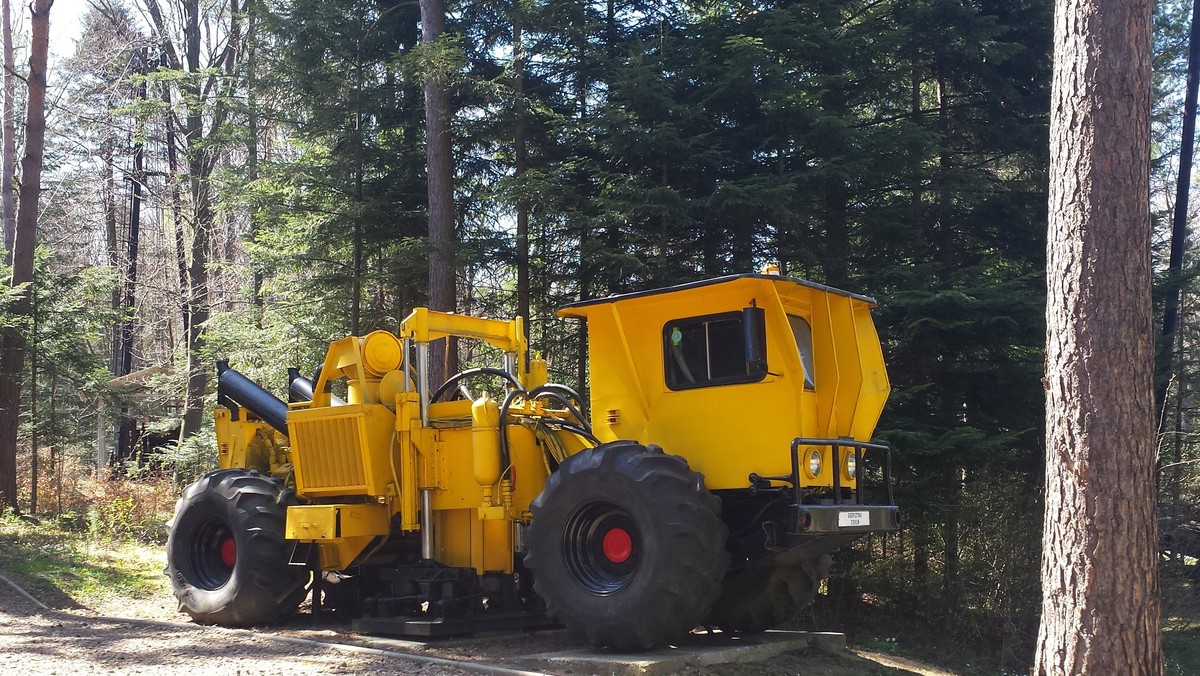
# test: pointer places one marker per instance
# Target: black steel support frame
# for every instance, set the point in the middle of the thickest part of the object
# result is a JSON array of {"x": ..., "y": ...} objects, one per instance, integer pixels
[{"x": 836, "y": 446}]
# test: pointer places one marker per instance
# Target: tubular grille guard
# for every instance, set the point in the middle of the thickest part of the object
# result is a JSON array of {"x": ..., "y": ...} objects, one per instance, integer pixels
[{"x": 836, "y": 446}]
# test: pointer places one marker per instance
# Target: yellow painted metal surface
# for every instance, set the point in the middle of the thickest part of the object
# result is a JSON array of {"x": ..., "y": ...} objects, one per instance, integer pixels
[
  {"x": 310, "y": 523},
  {"x": 250, "y": 444},
  {"x": 728, "y": 431},
  {"x": 342, "y": 450},
  {"x": 497, "y": 546},
  {"x": 374, "y": 457},
  {"x": 424, "y": 325},
  {"x": 458, "y": 538},
  {"x": 381, "y": 353},
  {"x": 341, "y": 530},
  {"x": 485, "y": 448}
]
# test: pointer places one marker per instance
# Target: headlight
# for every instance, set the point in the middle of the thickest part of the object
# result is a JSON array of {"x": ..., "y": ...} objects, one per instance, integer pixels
[
  {"x": 851, "y": 465},
  {"x": 814, "y": 463}
]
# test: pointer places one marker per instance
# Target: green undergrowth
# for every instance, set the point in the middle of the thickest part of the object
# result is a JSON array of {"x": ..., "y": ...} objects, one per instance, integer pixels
[
  {"x": 1181, "y": 649},
  {"x": 1181, "y": 620},
  {"x": 69, "y": 568},
  {"x": 949, "y": 645}
]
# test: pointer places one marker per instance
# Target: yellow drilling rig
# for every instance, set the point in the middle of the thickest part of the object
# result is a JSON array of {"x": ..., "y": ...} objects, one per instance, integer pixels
[{"x": 725, "y": 457}]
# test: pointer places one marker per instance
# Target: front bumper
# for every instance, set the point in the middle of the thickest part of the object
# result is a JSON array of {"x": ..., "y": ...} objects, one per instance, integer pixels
[
  {"x": 842, "y": 515},
  {"x": 812, "y": 519},
  {"x": 837, "y": 447}
]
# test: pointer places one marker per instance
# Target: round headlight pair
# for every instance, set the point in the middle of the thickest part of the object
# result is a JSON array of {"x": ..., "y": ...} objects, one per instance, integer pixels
[{"x": 814, "y": 464}]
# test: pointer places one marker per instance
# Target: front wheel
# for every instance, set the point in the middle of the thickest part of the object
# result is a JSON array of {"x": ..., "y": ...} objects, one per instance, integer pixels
[
  {"x": 226, "y": 554},
  {"x": 627, "y": 546}
]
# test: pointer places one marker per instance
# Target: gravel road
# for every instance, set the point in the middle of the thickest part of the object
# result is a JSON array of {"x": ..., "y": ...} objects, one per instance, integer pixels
[{"x": 35, "y": 641}]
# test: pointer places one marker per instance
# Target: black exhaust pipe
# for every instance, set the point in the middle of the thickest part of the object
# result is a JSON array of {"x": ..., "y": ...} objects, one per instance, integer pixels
[
  {"x": 301, "y": 388},
  {"x": 238, "y": 390}
]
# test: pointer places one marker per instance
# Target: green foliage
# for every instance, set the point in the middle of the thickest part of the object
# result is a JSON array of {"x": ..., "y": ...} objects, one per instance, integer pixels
[
  {"x": 1181, "y": 650},
  {"x": 343, "y": 213},
  {"x": 194, "y": 456},
  {"x": 112, "y": 519},
  {"x": 52, "y": 562}
]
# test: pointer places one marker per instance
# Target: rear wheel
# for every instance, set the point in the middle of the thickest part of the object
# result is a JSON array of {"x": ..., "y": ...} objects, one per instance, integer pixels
[
  {"x": 627, "y": 546},
  {"x": 226, "y": 554},
  {"x": 753, "y": 600}
]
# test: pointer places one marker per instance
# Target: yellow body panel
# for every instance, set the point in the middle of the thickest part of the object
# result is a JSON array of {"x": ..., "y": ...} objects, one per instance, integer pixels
[
  {"x": 342, "y": 450},
  {"x": 342, "y": 531},
  {"x": 728, "y": 431},
  {"x": 458, "y": 534},
  {"x": 424, "y": 325},
  {"x": 250, "y": 444}
]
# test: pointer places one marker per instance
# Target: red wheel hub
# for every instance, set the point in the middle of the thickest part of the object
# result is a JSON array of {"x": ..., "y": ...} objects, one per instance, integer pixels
[
  {"x": 617, "y": 545},
  {"x": 229, "y": 552}
]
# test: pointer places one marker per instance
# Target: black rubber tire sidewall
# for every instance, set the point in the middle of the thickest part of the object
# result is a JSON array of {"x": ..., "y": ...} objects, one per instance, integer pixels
[
  {"x": 262, "y": 587},
  {"x": 682, "y": 546}
]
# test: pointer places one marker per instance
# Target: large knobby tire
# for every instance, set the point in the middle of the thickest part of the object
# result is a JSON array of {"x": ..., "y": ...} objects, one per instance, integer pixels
[
  {"x": 753, "y": 600},
  {"x": 226, "y": 554},
  {"x": 627, "y": 546}
]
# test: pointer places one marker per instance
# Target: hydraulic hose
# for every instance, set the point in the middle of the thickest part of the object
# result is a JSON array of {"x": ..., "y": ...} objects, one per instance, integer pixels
[{"x": 462, "y": 375}]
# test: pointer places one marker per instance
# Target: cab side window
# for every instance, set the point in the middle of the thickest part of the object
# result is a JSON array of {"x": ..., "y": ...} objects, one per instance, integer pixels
[
  {"x": 705, "y": 351},
  {"x": 802, "y": 330}
]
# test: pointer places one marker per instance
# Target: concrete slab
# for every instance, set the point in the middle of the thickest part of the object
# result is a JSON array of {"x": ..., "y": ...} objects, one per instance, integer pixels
[{"x": 696, "y": 650}]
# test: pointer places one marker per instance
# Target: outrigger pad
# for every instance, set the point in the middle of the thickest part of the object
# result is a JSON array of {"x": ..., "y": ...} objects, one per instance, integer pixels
[{"x": 408, "y": 626}]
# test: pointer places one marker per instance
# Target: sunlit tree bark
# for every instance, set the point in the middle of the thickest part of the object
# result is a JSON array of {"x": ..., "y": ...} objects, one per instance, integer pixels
[
  {"x": 25, "y": 241},
  {"x": 1100, "y": 608},
  {"x": 440, "y": 174}
]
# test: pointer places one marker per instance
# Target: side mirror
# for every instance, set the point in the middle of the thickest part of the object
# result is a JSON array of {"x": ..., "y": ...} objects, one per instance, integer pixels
[{"x": 754, "y": 325}]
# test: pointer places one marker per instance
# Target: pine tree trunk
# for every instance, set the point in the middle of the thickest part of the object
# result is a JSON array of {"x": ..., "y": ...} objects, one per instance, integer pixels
[
  {"x": 356, "y": 233},
  {"x": 34, "y": 437},
  {"x": 176, "y": 202},
  {"x": 252, "y": 131},
  {"x": 13, "y": 358},
  {"x": 440, "y": 176},
  {"x": 1100, "y": 607},
  {"x": 519, "y": 167},
  {"x": 110, "y": 239}
]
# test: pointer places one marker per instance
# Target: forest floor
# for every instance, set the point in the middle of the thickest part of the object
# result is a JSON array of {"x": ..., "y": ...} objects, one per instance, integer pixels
[
  {"x": 36, "y": 640},
  {"x": 110, "y": 610}
]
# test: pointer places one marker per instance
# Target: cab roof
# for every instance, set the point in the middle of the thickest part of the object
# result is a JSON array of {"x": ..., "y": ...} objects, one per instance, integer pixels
[{"x": 568, "y": 310}]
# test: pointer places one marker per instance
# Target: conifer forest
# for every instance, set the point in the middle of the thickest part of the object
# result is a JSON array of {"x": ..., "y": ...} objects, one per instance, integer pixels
[{"x": 249, "y": 180}]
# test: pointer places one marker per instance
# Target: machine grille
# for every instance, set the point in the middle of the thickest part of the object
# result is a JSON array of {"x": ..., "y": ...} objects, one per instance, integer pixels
[{"x": 328, "y": 453}]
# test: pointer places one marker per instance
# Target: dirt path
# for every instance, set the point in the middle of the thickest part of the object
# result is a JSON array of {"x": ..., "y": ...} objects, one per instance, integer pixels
[{"x": 34, "y": 641}]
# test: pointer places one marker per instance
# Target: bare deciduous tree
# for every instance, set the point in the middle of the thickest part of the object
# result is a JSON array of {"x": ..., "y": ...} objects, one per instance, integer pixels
[
  {"x": 204, "y": 48},
  {"x": 8, "y": 155},
  {"x": 25, "y": 241}
]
